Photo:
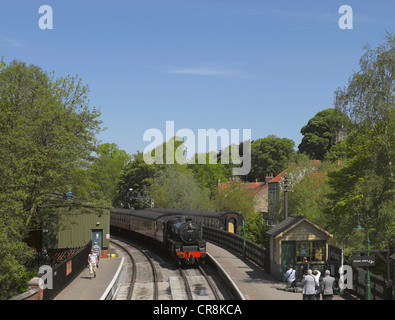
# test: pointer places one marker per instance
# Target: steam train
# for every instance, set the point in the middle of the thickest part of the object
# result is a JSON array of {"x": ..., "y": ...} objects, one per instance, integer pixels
[{"x": 177, "y": 233}]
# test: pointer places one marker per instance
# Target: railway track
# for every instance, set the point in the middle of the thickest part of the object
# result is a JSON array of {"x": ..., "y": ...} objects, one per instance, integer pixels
[
  {"x": 198, "y": 286},
  {"x": 151, "y": 278},
  {"x": 142, "y": 271}
]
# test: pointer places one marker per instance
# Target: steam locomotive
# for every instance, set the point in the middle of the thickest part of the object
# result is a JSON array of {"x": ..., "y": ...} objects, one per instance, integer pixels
[{"x": 176, "y": 233}]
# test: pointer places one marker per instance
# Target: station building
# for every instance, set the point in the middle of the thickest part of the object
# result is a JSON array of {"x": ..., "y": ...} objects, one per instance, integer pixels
[{"x": 293, "y": 239}]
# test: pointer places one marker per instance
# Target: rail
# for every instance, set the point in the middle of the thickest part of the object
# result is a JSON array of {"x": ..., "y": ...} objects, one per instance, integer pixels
[{"x": 134, "y": 275}]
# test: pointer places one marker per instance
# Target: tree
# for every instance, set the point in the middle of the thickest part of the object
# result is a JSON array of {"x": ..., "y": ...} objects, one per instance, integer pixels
[
  {"x": 47, "y": 134},
  {"x": 361, "y": 187},
  {"x": 209, "y": 174},
  {"x": 369, "y": 99},
  {"x": 173, "y": 188},
  {"x": 106, "y": 170},
  {"x": 234, "y": 197},
  {"x": 310, "y": 190},
  {"x": 137, "y": 175},
  {"x": 322, "y": 132},
  {"x": 270, "y": 155}
]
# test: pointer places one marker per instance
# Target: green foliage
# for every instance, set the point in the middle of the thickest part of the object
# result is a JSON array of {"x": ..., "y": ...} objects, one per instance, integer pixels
[
  {"x": 137, "y": 175},
  {"x": 369, "y": 100},
  {"x": 208, "y": 173},
  {"x": 310, "y": 190},
  {"x": 47, "y": 135},
  {"x": 176, "y": 189},
  {"x": 256, "y": 229},
  {"x": 270, "y": 155},
  {"x": 105, "y": 172},
  {"x": 362, "y": 186},
  {"x": 13, "y": 252},
  {"x": 234, "y": 198},
  {"x": 322, "y": 132}
]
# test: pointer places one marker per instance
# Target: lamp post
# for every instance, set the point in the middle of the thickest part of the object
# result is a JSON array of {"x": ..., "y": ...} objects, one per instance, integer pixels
[
  {"x": 360, "y": 228},
  {"x": 201, "y": 224},
  {"x": 244, "y": 235}
]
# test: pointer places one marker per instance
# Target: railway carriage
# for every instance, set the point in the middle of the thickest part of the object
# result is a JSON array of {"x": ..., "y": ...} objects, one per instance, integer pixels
[{"x": 223, "y": 220}]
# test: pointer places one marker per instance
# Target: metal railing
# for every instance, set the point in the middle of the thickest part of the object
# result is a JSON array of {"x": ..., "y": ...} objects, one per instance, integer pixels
[
  {"x": 253, "y": 251},
  {"x": 67, "y": 271}
]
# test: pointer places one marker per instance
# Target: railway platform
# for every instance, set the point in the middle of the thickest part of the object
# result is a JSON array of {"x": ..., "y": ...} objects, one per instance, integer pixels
[
  {"x": 84, "y": 288},
  {"x": 253, "y": 282}
]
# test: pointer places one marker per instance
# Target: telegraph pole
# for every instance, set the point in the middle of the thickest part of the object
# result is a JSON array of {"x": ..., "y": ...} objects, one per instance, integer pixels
[
  {"x": 286, "y": 196},
  {"x": 286, "y": 185},
  {"x": 140, "y": 196}
]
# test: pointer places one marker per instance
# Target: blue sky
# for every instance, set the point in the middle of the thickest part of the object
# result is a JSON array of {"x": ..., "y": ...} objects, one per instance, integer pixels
[{"x": 268, "y": 66}]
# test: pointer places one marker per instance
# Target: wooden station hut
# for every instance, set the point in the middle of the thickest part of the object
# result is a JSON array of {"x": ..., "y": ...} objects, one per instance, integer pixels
[{"x": 293, "y": 239}]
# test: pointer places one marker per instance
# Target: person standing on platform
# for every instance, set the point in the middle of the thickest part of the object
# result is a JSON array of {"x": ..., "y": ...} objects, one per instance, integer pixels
[
  {"x": 289, "y": 276},
  {"x": 327, "y": 286},
  {"x": 92, "y": 259},
  {"x": 305, "y": 266},
  {"x": 317, "y": 275},
  {"x": 97, "y": 251},
  {"x": 309, "y": 286}
]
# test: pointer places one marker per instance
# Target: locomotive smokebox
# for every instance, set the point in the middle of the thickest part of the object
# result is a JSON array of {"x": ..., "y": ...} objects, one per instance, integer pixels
[{"x": 189, "y": 232}]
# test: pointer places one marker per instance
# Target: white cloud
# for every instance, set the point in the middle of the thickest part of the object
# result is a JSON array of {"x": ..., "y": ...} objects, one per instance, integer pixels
[
  {"x": 329, "y": 17},
  {"x": 206, "y": 71},
  {"x": 9, "y": 42}
]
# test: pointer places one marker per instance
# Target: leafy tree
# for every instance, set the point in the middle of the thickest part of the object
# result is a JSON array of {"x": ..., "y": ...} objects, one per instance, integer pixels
[
  {"x": 256, "y": 229},
  {"x": 173, "y": 188},
  {"x": 139, "y": 173},
  {"x": 309, "y": 192},
  {"x": 234, "y": 198},
  {"x": 361, "y": 187},
  {"x": 369, "y": 99},
  {"x": 47, "y": 134},
  {"x": 105, "y": 171},
  {"x": 209, "y": 174},
  {"x": 270, "y": 154},
  {"x": 322, "y": 132}
]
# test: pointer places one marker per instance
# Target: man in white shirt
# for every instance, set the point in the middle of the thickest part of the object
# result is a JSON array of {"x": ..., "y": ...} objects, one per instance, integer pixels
[
  {"x": 92, "y": 259},
  {"x": 289, "y": 276}
]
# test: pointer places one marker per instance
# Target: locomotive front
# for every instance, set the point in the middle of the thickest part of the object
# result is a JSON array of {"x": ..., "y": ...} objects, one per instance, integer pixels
[
  {"x": 188, "y": 246},
  {"x": 188, "y": 232}
]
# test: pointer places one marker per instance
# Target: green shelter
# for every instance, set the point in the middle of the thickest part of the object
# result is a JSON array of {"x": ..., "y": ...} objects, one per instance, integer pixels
[{"x": 75, "y": 225}]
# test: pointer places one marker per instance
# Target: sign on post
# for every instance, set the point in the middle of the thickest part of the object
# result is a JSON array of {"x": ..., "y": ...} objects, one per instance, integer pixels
[{"x": 364, "y": 261}]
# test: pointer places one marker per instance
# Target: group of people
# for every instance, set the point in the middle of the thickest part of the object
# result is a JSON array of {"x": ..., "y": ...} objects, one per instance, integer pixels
[
  {"x": 93, "y": 260},
  {"x": 312, "y": 283}
]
